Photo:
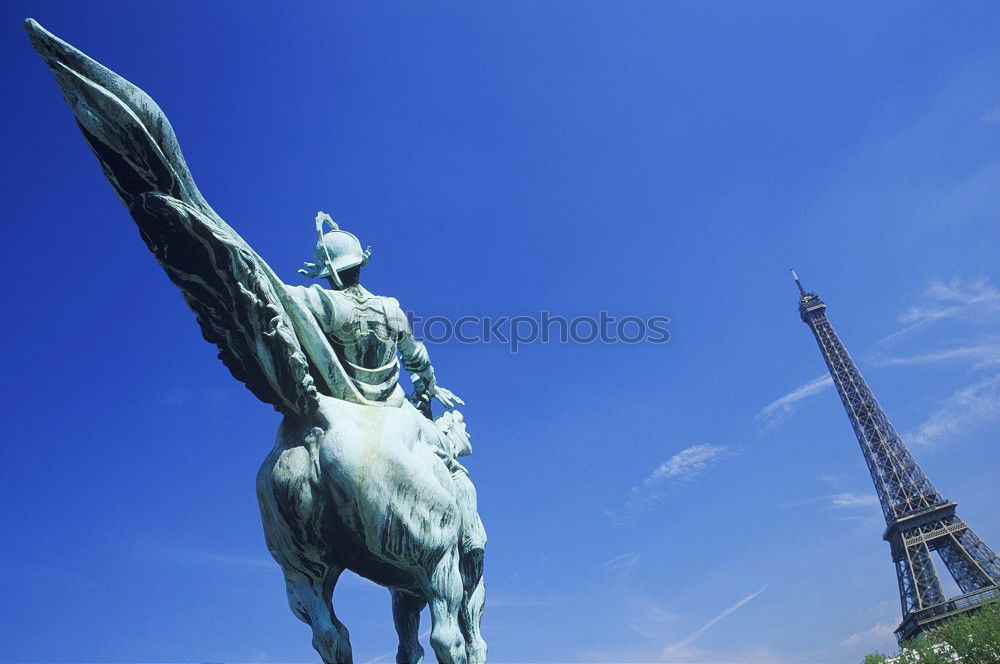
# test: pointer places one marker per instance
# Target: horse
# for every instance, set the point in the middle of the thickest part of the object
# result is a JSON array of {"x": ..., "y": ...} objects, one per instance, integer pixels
[{"x": 369, "y": 494}]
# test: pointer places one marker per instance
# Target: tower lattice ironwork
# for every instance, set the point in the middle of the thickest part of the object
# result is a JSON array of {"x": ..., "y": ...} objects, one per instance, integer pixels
[{"x": 918, "y": 519}]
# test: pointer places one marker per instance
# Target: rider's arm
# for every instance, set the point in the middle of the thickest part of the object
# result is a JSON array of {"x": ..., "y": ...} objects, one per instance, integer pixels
[
  {"x": 416, "y": 360},
  {"x": 412, "y": 351}
]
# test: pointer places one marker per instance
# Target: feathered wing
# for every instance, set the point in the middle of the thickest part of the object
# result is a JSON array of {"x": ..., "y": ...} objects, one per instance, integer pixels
[{"x": 239, "y": 302}]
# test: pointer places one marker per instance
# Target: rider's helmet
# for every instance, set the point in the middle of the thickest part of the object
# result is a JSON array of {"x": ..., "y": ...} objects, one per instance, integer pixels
[{"x": 335, "y": 251}]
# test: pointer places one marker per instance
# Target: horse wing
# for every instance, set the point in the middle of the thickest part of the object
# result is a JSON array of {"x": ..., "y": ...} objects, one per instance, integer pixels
[{"x": 239, "y": 301}]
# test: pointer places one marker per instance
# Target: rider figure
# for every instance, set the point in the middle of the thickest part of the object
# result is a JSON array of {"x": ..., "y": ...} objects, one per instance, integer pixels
[{"x": 367, "y": 330}]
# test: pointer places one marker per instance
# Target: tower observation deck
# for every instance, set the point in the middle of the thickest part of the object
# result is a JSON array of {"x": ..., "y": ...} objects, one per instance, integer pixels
[{"x": 918, "y": 519}]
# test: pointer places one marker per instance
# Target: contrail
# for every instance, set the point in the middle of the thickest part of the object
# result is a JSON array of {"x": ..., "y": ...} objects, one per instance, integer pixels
[{"x": 680, "y": 645}]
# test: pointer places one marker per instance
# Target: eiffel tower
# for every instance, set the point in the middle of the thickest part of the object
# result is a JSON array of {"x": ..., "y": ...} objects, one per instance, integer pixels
[{"x": 918, "y": 519}]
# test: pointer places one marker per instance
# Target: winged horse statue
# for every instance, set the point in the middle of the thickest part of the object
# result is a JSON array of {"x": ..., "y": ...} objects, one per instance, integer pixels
[{"x": 351, "y": 483}]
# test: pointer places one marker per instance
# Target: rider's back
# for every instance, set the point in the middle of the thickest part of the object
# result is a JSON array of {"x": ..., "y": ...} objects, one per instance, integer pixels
[{"x": 365, "y": 331}]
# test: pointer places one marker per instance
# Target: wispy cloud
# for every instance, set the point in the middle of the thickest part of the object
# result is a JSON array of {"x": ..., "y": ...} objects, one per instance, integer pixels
[
  {"x": 991, "y": 116},
  {"x": 845, "y": 500},
  {"x": 649, "y": 619},
  {"x": 682, "y": 466},
  {"x": 849, "y": 500},
  {"x": 680, "y": 647},
  {"x": 861, "y": 508},
  {"x": 622, "y": 564},
  {"x": 686, "y": 463},
  {"x": 967, "y": 408},
  {"x": 847, "y": 506},
  {"x": 879, "y": 633},
  {"x": 834, "y": 480},
  {"x": 985, "y": 354},
  {"x": 942, "y": 301},
  {"x": 778, "y": 409}
]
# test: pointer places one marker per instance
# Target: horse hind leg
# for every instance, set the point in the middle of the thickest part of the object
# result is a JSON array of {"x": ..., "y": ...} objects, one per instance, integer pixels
[
  {"x": 406, "y": 610},
  {"x": 470, "y": 616},
  {"x": 445, "y": 592},
  {"x": 311, "y": 599},
  {"x": 471, "y": 554}
]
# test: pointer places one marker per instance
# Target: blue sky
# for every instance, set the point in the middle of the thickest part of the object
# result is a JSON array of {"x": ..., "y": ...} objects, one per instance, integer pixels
[{"x": 682, "y": 502}]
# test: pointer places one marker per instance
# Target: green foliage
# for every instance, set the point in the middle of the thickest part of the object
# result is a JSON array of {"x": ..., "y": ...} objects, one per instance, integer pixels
[
  {"x": 965, "y": 639},
  {"x": 924, "y": 651},
  {"x": 976, "y": 638}
]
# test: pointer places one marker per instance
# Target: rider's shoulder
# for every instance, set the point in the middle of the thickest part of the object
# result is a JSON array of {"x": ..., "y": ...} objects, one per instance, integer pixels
[
  {"x": 390, "y": 302},
  {"x": 322, "y": 301},
  {"x": 307, "y": 293},
  {"x": 394, "y": 313}
]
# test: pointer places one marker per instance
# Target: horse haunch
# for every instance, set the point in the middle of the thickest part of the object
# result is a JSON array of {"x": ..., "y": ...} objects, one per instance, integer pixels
[{"x": 361, "y": 495}]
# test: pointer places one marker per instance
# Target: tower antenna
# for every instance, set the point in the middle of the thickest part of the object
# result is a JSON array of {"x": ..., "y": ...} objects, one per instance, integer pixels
[{"x": 797, "y": 282}]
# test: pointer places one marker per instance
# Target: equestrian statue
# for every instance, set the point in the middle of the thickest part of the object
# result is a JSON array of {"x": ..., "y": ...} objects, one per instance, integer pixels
[{"x": 360, "y": 478}]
